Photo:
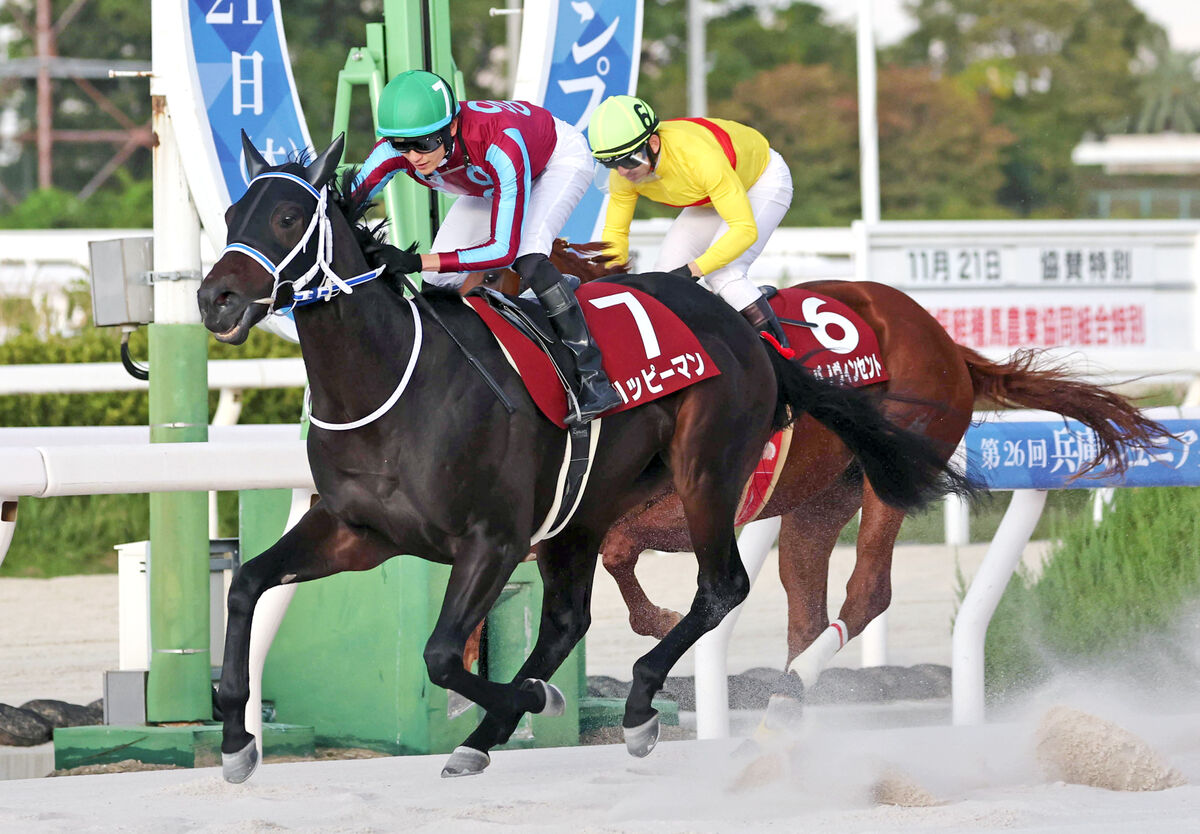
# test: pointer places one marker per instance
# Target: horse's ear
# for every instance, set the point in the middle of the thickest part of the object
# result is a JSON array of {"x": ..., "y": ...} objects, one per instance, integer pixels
[
  {"x": 255, "y": 163},
  {"x": 322, "y": 168}
]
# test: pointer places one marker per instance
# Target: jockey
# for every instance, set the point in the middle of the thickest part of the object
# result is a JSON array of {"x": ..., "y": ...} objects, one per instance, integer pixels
[
  {"x": 732, "y": 188},
  {"x": 518, "y": 173}
]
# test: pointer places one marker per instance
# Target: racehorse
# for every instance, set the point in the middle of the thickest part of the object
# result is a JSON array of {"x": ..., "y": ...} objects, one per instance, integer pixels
[
  {"x": 821, "y": 488},
  {"x": 425, "y": 442}
]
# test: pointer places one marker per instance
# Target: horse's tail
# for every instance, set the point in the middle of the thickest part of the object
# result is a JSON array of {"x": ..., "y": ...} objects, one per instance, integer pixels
[
  {"x": 906, "y": 469},
  {"x": 1019, "y": 382}
]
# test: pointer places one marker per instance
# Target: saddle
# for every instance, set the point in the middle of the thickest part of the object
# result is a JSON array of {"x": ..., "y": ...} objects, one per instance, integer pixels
[
  {"x": 648, "y": 353},
  {"x": 529, "y": 317}
]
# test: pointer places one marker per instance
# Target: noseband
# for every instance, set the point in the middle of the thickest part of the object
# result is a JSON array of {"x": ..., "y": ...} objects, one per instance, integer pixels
[{"x": 330, "y": 285}]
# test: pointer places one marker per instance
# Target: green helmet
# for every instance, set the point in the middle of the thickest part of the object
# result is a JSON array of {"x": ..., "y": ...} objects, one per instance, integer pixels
[
  {"x": 415, "y": 103},
  {"x": 620, "y": 125}
]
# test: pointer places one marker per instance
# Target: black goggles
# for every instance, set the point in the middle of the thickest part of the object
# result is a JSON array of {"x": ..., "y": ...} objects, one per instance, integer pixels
[
  {"x": 421, "y": 144},
  {"x": 633, "y": 159}
]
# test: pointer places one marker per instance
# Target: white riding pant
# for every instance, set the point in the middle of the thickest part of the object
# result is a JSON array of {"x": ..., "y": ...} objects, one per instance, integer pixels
[
  {"x": 553, "y": 195},
  {"x": 698, "y": 227}
]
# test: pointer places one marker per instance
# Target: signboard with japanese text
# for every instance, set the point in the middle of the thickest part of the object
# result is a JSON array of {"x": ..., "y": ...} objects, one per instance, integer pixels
[
  {"x": 233, "y": 74},
  {"x": 241, "y": 66},
  {"x": 1014, "y": 284},
  {"x": 1045, "y": 454},
  {"x": 574, "y": 55}
]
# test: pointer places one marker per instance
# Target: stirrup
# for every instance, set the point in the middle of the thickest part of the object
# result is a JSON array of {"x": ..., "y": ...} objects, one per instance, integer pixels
[{"x": 579, "y": 412}]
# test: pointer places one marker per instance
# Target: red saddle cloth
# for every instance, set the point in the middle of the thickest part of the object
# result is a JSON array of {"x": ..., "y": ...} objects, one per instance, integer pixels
[
  {"x": 840, "y": 346},
  {"x": 648, "y": 352},
  {"x": 846, "y": 348}
]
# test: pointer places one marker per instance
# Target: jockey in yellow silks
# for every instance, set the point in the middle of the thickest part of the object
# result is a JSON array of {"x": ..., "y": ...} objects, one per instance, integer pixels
[{"x": 732, "y": 189}]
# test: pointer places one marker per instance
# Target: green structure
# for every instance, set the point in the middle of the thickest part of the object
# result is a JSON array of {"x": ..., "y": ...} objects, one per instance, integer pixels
[{"x": 348, "y": 656}]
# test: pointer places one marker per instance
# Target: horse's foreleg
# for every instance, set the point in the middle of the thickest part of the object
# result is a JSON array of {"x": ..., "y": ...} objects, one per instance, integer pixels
[
  {"x": 479, "y": 573},
  {"x": 620, "y": 558},
  {"x": 567, "y": 566},
  {"x": 317, "y": 546}
]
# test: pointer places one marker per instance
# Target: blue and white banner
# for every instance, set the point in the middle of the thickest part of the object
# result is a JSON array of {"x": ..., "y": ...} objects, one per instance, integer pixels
[
  {"x": 1045, "y": 454},
  {"x": 244, "y": 80},
  {"x": 237, "y": 76},
  {"x": 574, "y": 54}
]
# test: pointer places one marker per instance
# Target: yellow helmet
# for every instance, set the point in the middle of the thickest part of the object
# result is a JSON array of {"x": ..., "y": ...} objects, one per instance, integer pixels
[{"x": 620, "y": 125}]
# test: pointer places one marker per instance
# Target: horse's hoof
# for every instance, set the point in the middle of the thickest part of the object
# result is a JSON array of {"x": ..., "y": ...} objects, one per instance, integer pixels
[
  {"x": 465, "y": 761},
  {"x": 555, "y": 703},
  {"x": 640, "y": 740},
  {"x": 237, "y": 767},
  {"x": 783, "y": 716}
]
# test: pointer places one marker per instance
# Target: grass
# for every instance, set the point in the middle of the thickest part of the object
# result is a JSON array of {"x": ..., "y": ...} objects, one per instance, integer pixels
[{"x": 1103, "y": 593}]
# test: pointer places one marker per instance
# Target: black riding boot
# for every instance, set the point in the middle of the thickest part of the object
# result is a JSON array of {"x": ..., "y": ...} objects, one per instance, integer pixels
[
  {"x": 762, "y": 317},
  {"x": 593, "y": 389}
]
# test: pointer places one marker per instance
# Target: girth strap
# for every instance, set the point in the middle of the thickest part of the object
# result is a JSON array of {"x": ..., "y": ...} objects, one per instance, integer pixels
[{"x": 572, "y": 478}]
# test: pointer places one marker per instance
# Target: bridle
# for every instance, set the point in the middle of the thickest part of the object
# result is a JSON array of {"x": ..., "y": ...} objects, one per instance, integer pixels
[{"x": 330, "y": 284}]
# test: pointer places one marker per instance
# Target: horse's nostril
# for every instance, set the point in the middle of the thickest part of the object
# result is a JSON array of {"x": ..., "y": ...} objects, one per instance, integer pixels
[{"x": 223, "y": 299}]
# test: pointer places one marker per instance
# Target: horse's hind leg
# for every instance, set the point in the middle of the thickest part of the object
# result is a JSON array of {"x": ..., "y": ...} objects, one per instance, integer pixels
[
  {"x": 710, "y": 503},
  {"x": 807, "y": 537},
  {"x": 868, "y": 591},
  {"x": 305, "y": 552},
  {"x": 621, "y": 551},
  {"x": 567, "y": 564}
]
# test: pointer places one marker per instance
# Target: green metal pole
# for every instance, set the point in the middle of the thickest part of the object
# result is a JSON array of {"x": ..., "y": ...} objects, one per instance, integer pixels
[{"x": 179, "y": 684}]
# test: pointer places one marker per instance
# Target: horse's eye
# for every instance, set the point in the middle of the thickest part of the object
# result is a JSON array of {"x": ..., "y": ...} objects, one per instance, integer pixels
[
  {"x": 492, "y": 277},
  {"x": 288, "y": 219}
]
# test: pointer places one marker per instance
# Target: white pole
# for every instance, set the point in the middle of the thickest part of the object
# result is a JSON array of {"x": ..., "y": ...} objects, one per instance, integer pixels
[
  {"x": 868, "y": 133},
  {"x": 971, "y": 624},
  {"x": 8, "y": 523},
  {"x": 873, "y": 642},
  {"x": 264, "y": 625},
  {"x": 712, "y": 681},
  {"x": 697, "y": 59}
]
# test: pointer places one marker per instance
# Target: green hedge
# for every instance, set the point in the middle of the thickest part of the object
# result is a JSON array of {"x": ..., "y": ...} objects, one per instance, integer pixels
[
  {"x": 1104, "y": 591},
  {"x": 72, "y": 535}
]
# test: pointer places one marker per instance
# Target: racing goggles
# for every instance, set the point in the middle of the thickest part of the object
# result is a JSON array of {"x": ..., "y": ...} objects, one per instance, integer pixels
[
  {"x": 420, "y": 144},
  {"x": 633, "y": 159}
]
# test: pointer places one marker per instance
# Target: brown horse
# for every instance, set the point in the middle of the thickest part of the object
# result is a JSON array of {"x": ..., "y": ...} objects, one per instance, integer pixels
[{"x": 820, "y": 488}]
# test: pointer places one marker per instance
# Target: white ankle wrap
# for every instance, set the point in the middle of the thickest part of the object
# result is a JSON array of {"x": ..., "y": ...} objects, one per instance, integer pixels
[{"x": 809, "y": 663}]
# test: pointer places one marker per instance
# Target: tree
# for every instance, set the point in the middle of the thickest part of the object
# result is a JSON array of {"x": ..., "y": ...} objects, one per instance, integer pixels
[
  {"x": 1054, "y": 69},
  {"x": 939, "y": 151},
  {"x": 748, "y": 38}
]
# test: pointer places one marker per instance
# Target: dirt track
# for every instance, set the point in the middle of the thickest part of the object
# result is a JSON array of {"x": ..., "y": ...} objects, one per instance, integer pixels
[{"x": 60, "y": 635}]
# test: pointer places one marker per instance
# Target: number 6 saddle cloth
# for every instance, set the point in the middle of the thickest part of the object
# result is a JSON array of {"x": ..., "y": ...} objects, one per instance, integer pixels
[{"x": 833, "y": 342}]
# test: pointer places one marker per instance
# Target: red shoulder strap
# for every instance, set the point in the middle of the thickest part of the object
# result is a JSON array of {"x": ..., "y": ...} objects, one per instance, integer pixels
[{"x": 719, "y": 134}]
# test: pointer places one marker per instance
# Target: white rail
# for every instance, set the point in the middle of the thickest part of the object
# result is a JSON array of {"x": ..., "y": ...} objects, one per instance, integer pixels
[{"x": 76, "y": 378}]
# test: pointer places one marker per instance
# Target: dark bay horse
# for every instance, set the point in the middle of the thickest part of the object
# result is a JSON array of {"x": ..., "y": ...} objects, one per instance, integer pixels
[
  {"x": 821, "y": 487},
  {"x": 413, "y": 451}
]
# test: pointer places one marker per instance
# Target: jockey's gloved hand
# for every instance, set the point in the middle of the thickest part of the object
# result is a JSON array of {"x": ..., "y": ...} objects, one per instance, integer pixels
[
  {"x": 403, "y": 261},
  {"x": 684, "y": 271},
  {"x": 395, "y": 259}
]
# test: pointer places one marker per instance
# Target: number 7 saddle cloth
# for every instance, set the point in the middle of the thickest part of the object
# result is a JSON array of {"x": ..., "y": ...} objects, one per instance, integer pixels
[{"x": 648, "y": 352}]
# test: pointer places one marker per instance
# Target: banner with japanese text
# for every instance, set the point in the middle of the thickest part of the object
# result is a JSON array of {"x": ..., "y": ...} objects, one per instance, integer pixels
[
  {"x": 1045, "y": 454},
  {"x": 574, "y": 54}
]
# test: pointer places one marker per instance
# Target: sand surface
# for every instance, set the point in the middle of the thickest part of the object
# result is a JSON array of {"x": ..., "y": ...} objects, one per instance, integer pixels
[{"x": 836, "y": 773}]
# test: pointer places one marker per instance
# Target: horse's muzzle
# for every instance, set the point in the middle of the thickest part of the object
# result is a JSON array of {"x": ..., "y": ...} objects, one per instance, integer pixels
[{"x": 228, "y": 314}]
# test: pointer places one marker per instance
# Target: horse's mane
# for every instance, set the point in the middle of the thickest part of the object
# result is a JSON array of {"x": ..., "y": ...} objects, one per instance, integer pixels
[
  {"x": 586, "y": 260},
  {"x": 371, "y": 238}
]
